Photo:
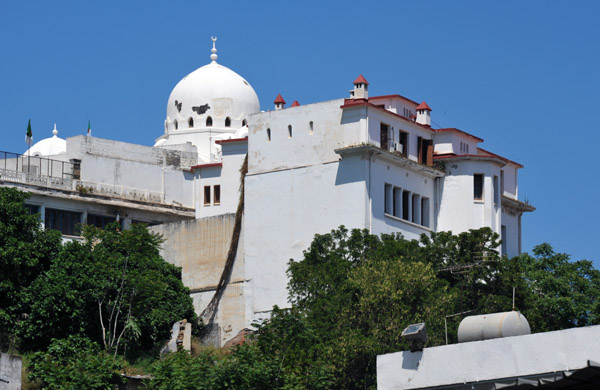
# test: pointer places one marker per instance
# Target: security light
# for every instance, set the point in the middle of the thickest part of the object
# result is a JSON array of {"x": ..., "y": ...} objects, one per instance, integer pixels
[{"x": 417, "y": 335}]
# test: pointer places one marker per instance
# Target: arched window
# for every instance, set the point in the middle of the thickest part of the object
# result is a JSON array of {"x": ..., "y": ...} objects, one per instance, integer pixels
[
  {"x": 310, "y": 125},
  {"x": 289, "y": 131},
  {"x": 268, "y": 134},
  {"x": 209, "y": 122},
  {"x": 244, "y": 123},
  {"x": 227, "y": 122},
  {"x": 175, "y": 122},
  {"x": 191, "y": 122}
]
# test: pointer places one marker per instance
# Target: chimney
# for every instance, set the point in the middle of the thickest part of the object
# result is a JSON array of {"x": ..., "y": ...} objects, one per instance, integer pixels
[
  {"x": 423, "y": 114},
  {"x": 361, "y": 88},
  {"x": 279, "y": 102},
  {"x": 295, "y": 104}
]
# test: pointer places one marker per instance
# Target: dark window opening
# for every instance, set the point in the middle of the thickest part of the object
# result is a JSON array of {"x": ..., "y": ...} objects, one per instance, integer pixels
[
  {"x": 191, "y": 122},
  {"x": 268, "y": 134},
  {"x": 175, "y": 123},
  {"x": 289, "y": 131},
  {"x": 478, "y": 186},
  {"x": 217, "y": 194},
  {"x": 387, "y": 201},
  {"x": 209, "y": 122},
  {"x": 67, "y": 222},
  {"x": 503, "y": 238},
  {"x": 405, "y": 205},
  {"x": 496, "y": 193},
  {"x": 383, "y": 137},
  {"x": 397, "y": 202},
  {"x": 207, "y": 195},
  {"x": 227, "y": 122},
  {"x": 76, "y": 169},
  {"x": 425, "y": 150},
  {"x": 403, "y": 143},
  {"x": 244, "y": 123},
  {"x": 310, "y": 125},
  {"x": 100, "y": 220},
  {"x": 32, "y": 209}
]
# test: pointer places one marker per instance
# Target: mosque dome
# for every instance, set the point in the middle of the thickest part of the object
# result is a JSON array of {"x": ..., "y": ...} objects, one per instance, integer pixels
[
  {"x": 211, "y": 96},
  {"x": 49, "y": 146}
]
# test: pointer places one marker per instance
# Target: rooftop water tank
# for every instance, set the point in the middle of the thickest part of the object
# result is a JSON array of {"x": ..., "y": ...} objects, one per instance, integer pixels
[{"x": 492, "y": 326}]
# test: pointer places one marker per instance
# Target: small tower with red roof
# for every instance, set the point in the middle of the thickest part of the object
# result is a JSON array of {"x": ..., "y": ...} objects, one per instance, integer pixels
[
  {"x": 423, "y": 114},
  {"x": 279, "y": 102},
  {"x": 361, "y": 88}
]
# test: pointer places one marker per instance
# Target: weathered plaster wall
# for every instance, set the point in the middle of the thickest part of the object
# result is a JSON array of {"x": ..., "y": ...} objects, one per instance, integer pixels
[
  {"x": 200, "y": 248},
  {"x": 10, "y": 372}
]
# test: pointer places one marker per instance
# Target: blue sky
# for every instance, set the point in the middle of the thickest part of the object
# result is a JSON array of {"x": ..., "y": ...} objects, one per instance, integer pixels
[{"x": 522, "y": 75}]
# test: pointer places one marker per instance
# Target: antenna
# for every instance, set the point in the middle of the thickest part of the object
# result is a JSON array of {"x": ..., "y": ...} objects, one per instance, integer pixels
[
  {"x": 513, "y": 298},
  {"x": 452, "y": 315}
]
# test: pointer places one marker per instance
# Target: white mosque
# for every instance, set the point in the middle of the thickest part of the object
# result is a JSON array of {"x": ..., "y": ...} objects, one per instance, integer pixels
[{"x": 363, "y": 162}]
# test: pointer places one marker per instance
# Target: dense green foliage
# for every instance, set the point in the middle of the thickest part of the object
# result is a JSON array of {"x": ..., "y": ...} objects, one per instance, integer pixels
[
  {"x": 75, "y": 363},
  {"x": 26, "y": 251},
  {"x": 246, "y": 368}
]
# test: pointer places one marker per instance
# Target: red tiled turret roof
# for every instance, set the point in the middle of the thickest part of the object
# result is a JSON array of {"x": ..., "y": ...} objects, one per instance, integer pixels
[
  {"x": 279, "y": 99},
  {"x": 361, "y": 80}
]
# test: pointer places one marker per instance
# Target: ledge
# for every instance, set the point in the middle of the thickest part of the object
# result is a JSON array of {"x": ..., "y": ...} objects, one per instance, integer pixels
[
  {"x": 390, "y": 157},
  {"x": 515, "y": 205},
  {"x": 390, "y": 216}
]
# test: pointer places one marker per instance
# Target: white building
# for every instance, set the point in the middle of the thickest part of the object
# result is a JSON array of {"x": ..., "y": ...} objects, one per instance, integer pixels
[{"x": 363, "y": 162}]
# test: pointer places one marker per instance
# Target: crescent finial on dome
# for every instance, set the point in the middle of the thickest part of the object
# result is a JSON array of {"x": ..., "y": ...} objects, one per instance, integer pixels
[{"x": 214, "y": 56}]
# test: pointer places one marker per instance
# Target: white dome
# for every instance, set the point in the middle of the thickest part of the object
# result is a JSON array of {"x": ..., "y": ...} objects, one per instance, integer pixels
[
  {"x": 49, "y": 146},
  {"x": 212, "y": 90}
]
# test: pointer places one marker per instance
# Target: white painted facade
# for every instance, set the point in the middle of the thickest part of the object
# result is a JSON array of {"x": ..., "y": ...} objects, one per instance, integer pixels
[
  {"x": 365, "y": 162},
  {"x": 482, "y": 364}
]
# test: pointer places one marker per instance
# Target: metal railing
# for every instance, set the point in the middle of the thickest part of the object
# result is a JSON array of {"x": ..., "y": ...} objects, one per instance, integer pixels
[{"x": 35, "y": 170}]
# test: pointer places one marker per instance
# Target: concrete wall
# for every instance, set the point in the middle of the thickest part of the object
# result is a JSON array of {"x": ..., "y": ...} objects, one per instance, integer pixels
[
  {"x": 10, "y": 372},
  {"x": 200, "y": 248},
  {"x": 488, "y": 360},
  {"x": 285, "y": 209}
]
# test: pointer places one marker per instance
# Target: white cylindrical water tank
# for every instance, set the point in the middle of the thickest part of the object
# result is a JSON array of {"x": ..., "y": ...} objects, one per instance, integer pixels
[{"x": 492, "y": 326}]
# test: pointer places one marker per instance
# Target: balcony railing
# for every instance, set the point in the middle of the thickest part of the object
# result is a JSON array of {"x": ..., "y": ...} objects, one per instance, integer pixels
[{"x": 35, "y": 170}]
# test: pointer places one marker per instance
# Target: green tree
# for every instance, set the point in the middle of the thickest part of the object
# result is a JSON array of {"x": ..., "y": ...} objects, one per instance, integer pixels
[
  {"x": 112, "y": 287},
  {"x": 560, "y": 293},
  {"x": 26, "y": 251},
  {"x": 75, "y": 363}
]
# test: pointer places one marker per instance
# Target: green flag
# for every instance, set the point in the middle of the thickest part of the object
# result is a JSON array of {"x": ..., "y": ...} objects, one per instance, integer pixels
[
  {"x": 29, "y": 135},
  {"x": 89, "y": 133}
]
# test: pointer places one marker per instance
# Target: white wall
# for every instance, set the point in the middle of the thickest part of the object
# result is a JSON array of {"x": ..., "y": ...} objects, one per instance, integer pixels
[{"x": 489, "y": 360}]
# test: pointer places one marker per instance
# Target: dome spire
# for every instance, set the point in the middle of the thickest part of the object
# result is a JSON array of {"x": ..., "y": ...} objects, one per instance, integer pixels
[
  {"x": 54, "y": 132},
  {"x": 214, "y": 56}
]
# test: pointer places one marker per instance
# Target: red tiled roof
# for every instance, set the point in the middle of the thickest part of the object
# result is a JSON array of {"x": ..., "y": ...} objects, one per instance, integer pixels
[
  {"x": 279, "y": 99},
  {"x": 226, "y": 141},
  {"x": 454, "y": 130},
  {"x": 295, "y": 104},
  {"x": 348, "y": 103},
  {"x": 209, "y": 165},
  {"x": 501, "y": 158},
  {"x": 361, "y": 80},
  {"x": 423, "y": 106},
  {"x": 392, "y": 97}
]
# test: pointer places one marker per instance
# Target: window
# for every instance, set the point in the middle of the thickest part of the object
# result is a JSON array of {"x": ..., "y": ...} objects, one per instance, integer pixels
[
  {"x": 99, "y": 220},
  {"x": 496, "y": 194},
  {"x": 425, "y": 212},
  {"x": 191, "y": 122},
  {"x": 175, "y": 123},
  {"x": 268, "y": 134},
  {"x": 289, "y": 131},
  {"x": 67, "y": 222},
  {"x": 227, "y": 122},
  {"x": 217, "y": 194},
  {"x": 244, "y": 123},
  {"x": 403, "y": 143},
  {"x": 387, "y": 198},
  {"x": 425, "y": 150},
  {"x": 32, "y": 209},
  {"x": 76, "y": 168},
  {"x": 310, "y": 125},
  {"x": 406, "y": 205},
  {"x": 478, "y": 186},
  {"x": 501, "y": 182},
  {"x": 207, "y": 195},
  {"x": 209, "y": 122},
  {"x": 383, "y": 137},
  {"x": 397, "y": 202},
  {"x": 416, "y": 208}
]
